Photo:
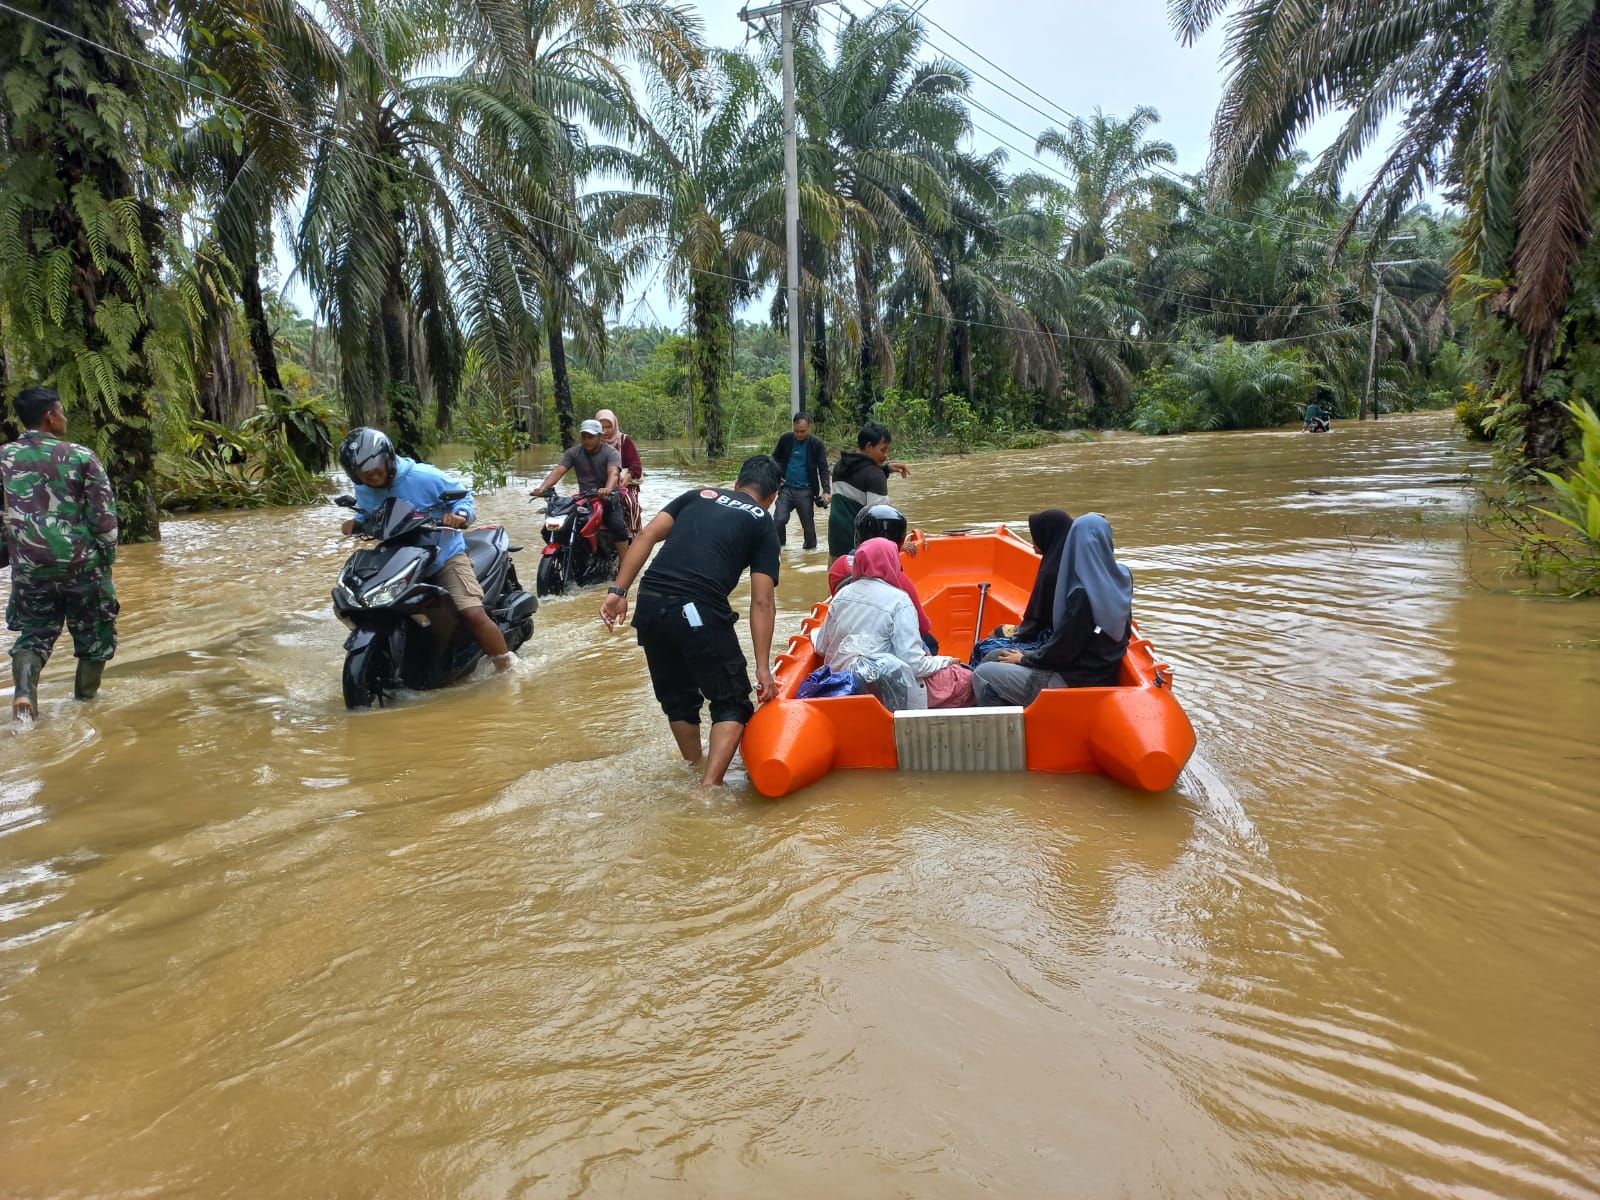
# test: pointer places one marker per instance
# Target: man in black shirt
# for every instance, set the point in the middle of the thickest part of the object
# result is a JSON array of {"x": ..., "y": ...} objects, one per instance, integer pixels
[{"x": 683, "y": 619}]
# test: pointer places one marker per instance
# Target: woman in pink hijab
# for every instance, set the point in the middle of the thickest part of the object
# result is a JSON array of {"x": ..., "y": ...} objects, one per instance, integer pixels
[
  {"x": 874, "y": 627},
  {"x": 632, "y": 470}
]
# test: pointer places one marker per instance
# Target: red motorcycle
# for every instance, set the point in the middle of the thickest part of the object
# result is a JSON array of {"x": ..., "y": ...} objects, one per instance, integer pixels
[{"x": 578, "y": 550}]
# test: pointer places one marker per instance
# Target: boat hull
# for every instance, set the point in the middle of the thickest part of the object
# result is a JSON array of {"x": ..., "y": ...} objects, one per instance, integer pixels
[{"x": 1136, "y": 733}]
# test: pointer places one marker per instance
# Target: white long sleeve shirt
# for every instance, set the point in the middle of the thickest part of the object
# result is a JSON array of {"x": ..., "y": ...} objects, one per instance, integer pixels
[{"x": 870, "y": 618}]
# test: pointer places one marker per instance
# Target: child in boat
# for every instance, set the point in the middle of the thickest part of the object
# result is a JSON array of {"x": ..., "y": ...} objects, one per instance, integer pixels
[
  {"x": 1049, "y": 531},
  {"x": 873, "y": 629},
  {"x": 1090, "y": 620}
]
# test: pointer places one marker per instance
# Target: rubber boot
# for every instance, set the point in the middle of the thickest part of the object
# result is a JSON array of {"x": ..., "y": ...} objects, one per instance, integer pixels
[
  {"x": 25, "y": 668},
  {"x": 87, "y": 681}
]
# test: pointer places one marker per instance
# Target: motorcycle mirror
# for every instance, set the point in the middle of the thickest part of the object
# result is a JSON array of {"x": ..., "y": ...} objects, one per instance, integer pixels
[
  {"x": 452, "y": 497},
  {"x": 345, "y": 501}
]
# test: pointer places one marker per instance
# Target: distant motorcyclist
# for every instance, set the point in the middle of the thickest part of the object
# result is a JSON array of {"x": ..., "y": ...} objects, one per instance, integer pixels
[
  {"x": 599, "y": 471},
  {"x": 368, "y": 457}
]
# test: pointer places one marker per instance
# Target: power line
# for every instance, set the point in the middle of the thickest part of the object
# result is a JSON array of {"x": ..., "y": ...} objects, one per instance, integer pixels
[
  {"x": 1065, "y": 179},
  {"x": 1159, "y": 168},
  {"x": 400, "y": 168},
  {"x": 842, "y": 73}
]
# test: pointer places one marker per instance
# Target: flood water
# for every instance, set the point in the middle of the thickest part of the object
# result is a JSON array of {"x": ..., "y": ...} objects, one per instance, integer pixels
[{"x": 489, "y": 942}]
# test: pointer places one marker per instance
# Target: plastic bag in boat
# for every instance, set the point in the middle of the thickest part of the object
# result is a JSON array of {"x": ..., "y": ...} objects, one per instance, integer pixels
[
  {"x": 825, "y": 682},
  {"x": 890, "y": 680}
]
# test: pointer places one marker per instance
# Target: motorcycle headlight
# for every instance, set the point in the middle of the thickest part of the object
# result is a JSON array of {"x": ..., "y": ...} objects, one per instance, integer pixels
[
  {"x": 391, "y": 589},
  {"x": 554, "y": 522}
]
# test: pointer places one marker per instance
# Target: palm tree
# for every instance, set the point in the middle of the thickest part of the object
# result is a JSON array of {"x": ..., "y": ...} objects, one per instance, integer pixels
[
  {"x": 376, "y": 236},
  {"x": 878, "y": 132},
  {"x": 1498, "y": 98},
  {"x": 691, "y": 172},
  {"x": 81, "y": 227},
  {"x": 571, "y": 64},
  {"x": 1109, "y": 166},
  {"x": 245, "y": 155},
  {"x": 1256, "y": 274}
]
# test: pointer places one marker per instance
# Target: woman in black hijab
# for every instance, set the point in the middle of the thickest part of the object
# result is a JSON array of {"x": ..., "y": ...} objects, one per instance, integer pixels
[{"x": 1049, "y": 529}]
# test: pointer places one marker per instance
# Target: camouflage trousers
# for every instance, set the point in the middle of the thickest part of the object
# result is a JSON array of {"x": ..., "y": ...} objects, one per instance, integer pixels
[{"x": 87, "y": 603}]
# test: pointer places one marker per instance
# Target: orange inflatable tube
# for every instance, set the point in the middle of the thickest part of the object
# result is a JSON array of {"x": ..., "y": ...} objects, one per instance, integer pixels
[{"x": 1135, "y": 733}]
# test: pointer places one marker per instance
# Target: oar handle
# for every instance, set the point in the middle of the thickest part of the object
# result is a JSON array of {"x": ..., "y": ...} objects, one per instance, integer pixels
[{"x": 977, "y": 625}]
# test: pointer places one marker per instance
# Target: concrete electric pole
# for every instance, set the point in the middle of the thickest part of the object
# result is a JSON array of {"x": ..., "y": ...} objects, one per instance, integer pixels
[
  {"x": 1377, "y": 305},
  {"x": 786, "y": 10}
]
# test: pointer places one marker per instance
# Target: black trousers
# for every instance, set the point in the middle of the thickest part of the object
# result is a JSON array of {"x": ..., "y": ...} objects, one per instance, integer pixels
[
  {"x": 693, "y": 663},
  {"x": 801, "y": 502}
]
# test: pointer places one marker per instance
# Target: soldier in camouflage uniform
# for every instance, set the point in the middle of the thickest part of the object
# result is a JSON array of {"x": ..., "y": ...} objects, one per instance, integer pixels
[{"x": 61, "y": 537}]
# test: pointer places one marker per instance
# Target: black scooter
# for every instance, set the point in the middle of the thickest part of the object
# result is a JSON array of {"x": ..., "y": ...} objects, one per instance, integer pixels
[{"x": 404, "y": 632}]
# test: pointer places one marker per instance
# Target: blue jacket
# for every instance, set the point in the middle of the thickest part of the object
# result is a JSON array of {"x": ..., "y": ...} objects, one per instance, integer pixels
[{"x": 423, "y": 484}]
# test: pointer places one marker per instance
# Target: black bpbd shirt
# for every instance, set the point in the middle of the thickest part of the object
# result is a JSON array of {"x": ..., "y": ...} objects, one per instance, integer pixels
[{"x": 716, "y": 534}]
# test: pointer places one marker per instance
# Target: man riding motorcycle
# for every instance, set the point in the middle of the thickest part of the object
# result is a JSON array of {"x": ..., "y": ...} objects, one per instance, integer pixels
[
  {"x": 598, "y": 468},
  {"x": 369, "y": 458}
]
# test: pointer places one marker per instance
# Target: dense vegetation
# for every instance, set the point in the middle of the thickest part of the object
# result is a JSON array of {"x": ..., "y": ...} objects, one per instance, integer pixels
[{"x": 470, "y": 190}]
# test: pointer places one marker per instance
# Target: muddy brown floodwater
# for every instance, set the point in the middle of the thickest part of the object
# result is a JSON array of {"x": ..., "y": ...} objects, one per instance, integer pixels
[{"x": 489, "y": 943}]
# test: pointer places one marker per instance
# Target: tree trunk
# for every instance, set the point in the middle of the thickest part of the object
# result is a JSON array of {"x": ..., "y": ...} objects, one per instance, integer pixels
[
  {"x": 10, "y": 430},
  {"x": 906, "y": 371},
  {"x": 563, "y": 384},
  {"x": 255, "y": 312},
  {"x": 822, "y": 389},
  {"x": 941, "y": 352},
  {"x": 710, "y": 300},
  {"x": 964, "y": 353},
  {"x": 531, "y": 406},
  {"x": 401, "y": 394},
  {"x": 105, "y": 165},
  {"x": 869, "y": 389}
]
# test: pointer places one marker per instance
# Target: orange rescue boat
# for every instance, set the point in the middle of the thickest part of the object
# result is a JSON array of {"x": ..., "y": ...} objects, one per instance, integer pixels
[{"x": 1136, "y": 732}]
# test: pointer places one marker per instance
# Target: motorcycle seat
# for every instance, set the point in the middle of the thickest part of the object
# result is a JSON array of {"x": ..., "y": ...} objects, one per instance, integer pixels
[{"x": 481, "y": 551}]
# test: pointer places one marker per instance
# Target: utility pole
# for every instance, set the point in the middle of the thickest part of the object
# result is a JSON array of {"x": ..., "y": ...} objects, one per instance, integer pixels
[
  {"x": 786, "y": 10},
  {"x": 1377, "y": 305},
  {"x": 1372, "y": 353}
]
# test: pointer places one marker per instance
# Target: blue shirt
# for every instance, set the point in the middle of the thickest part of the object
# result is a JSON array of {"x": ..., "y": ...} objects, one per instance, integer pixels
[
  {"x": 796, "y": 473},
  {"x": 423, "y": 485}
]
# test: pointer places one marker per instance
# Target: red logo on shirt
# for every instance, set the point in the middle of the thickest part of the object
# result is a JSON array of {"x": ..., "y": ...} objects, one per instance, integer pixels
[{"x": 708, "y": 493}]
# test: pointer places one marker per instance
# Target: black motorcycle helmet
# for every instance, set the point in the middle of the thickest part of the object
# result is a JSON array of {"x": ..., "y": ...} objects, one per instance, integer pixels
[
  {"x": 881, "y": 520},
  {"x": 364, "y": 448}
]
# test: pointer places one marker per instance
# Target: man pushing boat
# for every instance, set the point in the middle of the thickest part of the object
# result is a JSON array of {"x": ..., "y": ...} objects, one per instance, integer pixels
[{"x": 683, "y": 620}]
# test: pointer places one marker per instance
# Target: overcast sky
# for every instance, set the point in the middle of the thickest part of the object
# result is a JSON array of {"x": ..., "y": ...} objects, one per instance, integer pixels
[{"x": 1081, "y": 54}]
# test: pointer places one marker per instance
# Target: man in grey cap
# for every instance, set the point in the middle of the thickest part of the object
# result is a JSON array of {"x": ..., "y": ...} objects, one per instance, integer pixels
[{"x": 598, "y": 467}]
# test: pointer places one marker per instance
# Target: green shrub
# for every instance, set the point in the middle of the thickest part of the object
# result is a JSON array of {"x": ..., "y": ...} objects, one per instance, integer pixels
[
  {"x": 307, "y": 422},
  {"x": 1164, "y": 404},
  {"x": 208, "y": 465},
  {"x": 1473, "y": 411},
  {"x": 962, "y": 423},
  {"x": 1230, "y": 385},
  {"x": 1577, "y": 495},
  {"x": 494, "y": 439}
]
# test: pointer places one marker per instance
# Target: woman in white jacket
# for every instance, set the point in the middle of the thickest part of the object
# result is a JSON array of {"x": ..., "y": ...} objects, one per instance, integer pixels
[{"x": 873, "y": 629}]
